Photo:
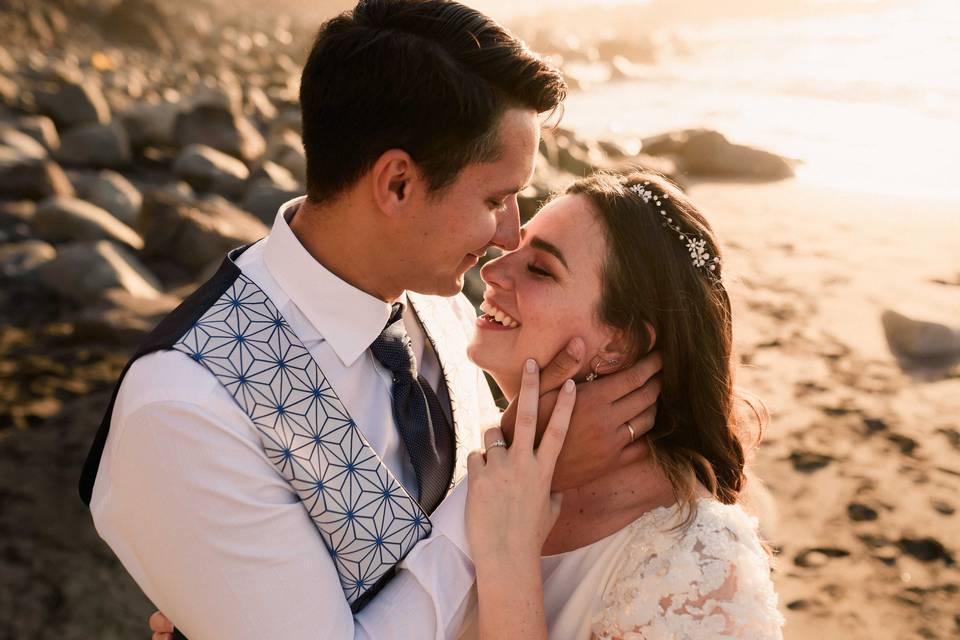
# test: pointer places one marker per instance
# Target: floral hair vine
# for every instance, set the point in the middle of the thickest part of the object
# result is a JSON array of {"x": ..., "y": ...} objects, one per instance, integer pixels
[{"x": 696, "y": 245}]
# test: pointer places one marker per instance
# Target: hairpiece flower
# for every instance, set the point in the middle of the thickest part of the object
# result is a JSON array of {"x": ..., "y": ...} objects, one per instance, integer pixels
[{"x": 695, "y": 244}]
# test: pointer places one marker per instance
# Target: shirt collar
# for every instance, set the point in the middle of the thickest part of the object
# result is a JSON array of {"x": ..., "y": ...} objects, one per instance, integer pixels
[{"x": 346, "y": 317}]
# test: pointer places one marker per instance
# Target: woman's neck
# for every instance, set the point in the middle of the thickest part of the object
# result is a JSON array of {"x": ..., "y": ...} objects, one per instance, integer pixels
[{"x": 606, "y": 505}]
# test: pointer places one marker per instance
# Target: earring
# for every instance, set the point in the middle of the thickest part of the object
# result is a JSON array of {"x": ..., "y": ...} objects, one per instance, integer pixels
[{"x": 595, "y": 366}]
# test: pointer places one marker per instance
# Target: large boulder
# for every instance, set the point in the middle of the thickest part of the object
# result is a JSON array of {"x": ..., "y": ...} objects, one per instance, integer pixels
[
  {"x": 221, "y": 129},
  {"x": 60, "y": 219},
  {"x": 96, "y": 145},
  {"x": 703, "y": 152},
  {"x": 74, "y": 103},
  {"x": 139, "y": 23},
  {"x": 194, "y": 234},
  {"x": 920, "y": 338},
  {"x": 32, "y": 178},
  {"x": 115, "y": 194},
  {"x": 206, "y": 169},
  {"x": 22, "y": 258},
  {"x": 84, "y": 272}
]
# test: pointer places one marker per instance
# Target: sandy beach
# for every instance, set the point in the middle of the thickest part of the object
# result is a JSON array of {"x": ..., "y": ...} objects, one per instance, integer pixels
[{"x": 862, "y": 454}]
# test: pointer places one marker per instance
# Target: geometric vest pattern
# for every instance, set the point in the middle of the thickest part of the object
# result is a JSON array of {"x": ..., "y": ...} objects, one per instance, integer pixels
[{"x": 365, "y": 517}]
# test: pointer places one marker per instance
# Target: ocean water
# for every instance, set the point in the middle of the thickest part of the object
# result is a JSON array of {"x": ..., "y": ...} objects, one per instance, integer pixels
[{"x": 867, "y": 96}]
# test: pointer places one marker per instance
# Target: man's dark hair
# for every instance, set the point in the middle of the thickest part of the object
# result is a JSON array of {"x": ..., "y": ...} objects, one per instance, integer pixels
[{"x": 431, "y": 77}]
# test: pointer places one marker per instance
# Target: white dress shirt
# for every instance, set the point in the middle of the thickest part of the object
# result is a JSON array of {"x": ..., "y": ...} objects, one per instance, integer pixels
[{"x": 209, "y": 529}]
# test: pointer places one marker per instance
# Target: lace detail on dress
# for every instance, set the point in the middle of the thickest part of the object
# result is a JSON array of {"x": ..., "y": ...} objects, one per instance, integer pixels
[{"x": 711, "y": 580}]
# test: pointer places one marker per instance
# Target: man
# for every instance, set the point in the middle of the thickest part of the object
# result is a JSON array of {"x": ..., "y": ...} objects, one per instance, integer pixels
[{"x": 274, "y": 451}]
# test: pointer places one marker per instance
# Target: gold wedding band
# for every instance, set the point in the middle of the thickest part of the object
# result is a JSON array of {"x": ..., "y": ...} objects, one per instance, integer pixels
[
  {"x": 497, "y": 443},
  {"x": 633, "y": 434}
]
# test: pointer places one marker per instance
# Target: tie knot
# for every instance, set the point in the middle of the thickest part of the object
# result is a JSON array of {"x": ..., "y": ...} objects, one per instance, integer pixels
[{"x": 393, "y": 348}]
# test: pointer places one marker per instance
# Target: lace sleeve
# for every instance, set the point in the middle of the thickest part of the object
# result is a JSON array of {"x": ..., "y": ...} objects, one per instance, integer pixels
[{"x": 711, "y": 582}]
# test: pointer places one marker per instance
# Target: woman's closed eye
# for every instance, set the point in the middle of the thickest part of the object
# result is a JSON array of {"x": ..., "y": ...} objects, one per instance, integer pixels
[
  {"x": 496, "y": 205},
  {"x": 538, "y": 271}
]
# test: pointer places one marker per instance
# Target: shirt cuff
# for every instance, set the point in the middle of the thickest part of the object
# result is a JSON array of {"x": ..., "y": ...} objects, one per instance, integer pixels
[{"x": 442, "y": 563}]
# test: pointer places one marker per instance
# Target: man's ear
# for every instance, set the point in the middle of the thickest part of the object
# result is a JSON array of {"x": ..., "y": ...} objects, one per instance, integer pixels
[{"x": 393, "y": 178}]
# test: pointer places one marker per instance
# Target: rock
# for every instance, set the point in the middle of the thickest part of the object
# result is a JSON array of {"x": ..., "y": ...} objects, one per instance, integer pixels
[
  {"x": 918, "y": 338},
  {"x": 7, "y": 63},
  {"x": 22, "y": 258},
  {"x": 926, "y": 549},
  {"x": 818, "y": 556},
  {"x": 139, "y": 23},
  {"x": 276, "y": 174},
  {"x": 121, "y": 316},
  {"x": 225, "y": 96},
  {"x": 115, "y": 194},
  {"x": 84, "y": 272},
  {"x": 31, "y": 178},
  {"x": 264, "y": 197},
  {"x": 906, "y": 444},
  {"x": 21, "y": 143},
  {"x": 151, "y": 124},
  {"x": 220, "y": 129},
  {"x": 859, "y": 512},
  {"x": 9, "y": 92},
  {"x": 96, "y": 145},
  {"x": 206, "y": 169},
  {"x": 61, "y": 219},
  {"x": 809, "y": 461},
  {"x": 260, "y": 106},
  {"x": 74, "y": 103},
  {"x": 708, "y": 153},
  {"x": 943, "y": 508},
  {"x": 40, "y": 128},
  {"x": 287, "y": 151},
  {"x": 194, "y": 234},
  {"x": 874, "y": 425}
]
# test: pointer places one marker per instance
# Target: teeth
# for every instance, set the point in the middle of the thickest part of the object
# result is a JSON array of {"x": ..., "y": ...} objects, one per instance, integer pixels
[{"x": 498, "y": 314}]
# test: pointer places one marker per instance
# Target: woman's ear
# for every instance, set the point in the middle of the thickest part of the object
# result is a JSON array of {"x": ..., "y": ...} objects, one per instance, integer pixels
[
  {"x": 392, "y": 177},
  {"x": 619, "y": 352},
  {"x": 652, "y": 333},
  {"x": 615, "y": 355}
]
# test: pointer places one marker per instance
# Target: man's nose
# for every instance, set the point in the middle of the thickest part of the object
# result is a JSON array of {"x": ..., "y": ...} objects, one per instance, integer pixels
[{"x": 507, "y": 236}]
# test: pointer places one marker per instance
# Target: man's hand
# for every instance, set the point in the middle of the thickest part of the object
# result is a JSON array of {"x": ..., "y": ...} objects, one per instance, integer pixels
[{"x": 598, "y": 439}]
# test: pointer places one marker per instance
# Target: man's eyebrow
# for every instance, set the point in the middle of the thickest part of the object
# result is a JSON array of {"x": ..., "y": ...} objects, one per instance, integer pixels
[
  {"x": 511, "y": 190},
  {"x": 539, "y": 243}
]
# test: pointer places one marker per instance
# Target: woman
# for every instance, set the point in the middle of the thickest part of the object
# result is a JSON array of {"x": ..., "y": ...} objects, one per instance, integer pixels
[{"x": 659, "y": 548}]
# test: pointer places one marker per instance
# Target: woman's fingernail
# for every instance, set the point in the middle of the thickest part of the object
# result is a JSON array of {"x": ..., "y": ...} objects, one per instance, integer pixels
[
  {"x": 531, "y": 365},
  {"x": 568, "y": 386}
]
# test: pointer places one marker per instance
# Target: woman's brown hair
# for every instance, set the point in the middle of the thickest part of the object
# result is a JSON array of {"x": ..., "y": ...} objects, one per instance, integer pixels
[{"x": 650, "y": 280}]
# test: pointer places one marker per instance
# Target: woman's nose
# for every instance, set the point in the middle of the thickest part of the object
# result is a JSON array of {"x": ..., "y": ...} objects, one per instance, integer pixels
[{"x": 496, "y": 272}]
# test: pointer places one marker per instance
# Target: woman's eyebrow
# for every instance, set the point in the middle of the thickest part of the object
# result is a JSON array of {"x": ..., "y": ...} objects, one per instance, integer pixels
[{"x": 541, "y": 244}]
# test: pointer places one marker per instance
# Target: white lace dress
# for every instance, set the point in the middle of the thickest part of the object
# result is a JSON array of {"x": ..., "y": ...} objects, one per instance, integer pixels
[{"x": 645, "y": 582}]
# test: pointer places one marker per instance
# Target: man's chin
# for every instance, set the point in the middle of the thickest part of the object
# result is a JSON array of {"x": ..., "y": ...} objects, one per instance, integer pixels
[{"x": 444, "y": 288}]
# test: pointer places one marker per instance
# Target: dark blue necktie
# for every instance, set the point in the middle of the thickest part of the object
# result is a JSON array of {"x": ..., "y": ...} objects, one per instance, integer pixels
[{"x": 417, "y": 411}]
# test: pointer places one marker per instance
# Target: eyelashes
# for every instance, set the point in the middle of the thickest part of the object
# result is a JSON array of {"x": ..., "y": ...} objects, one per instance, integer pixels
[{"x": 542, "y": 273}]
